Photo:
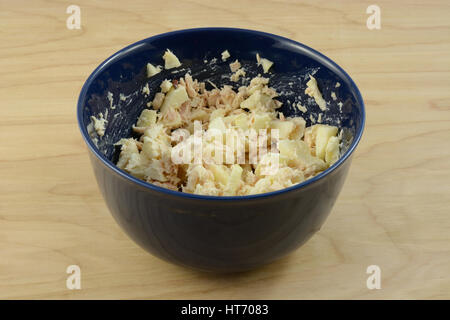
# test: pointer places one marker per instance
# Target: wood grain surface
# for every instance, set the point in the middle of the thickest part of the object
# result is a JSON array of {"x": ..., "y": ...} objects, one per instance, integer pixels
[{"x": 393, "y": 211}]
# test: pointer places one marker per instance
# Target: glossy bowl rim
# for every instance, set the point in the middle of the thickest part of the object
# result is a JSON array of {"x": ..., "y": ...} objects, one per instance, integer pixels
[{"x": 147, "y": 185}]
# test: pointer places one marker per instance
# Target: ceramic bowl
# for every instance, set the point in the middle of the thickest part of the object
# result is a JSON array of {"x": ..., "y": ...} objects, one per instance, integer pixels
[{"x": 209, "y": 233}]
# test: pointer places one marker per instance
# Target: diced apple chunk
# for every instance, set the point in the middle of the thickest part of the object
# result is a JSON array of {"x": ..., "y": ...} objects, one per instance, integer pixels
[
  {"x": 260, "y": 121},
  {"x": 220, "y": 173},
  {"x": 217, "y": 124},
  {"x": 152, "y": 70},
  {"x": 235, "y": 76},
  {"x": 174, "y": 99},
  {"x": 241, "y": 121},
  {"x": 284, "y": 128},
  {"x": 288, "y": 149},
  {"x": 323, "y": 134},
  {"x": 170, "y": 60},
  {"x": 234, "y": 181},
  {"x": 218, "y": 113},
  {"x": 299, "y": 128},
  {"x": 147, "y": 118},
  {"x": 158, "y": 100},
  {"x": 268, "y": 164},
  {"x": 265, "y": 63},
  {"x": 297, "y": 152},
  {"x": 257, "y": 100},
  {"x": 332, "y": 151},
  {"x": 235, "y": 66},
  {"x": 225, "y": 55},
  {"x": 166, "y": 85}
]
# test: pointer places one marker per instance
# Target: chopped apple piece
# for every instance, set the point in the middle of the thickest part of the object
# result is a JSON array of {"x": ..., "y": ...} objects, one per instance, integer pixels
[
  {"x": 146, "y": 89},
  {"x": 234, "y": 181},
  {"x": 225, "y": 55},
  {"x": 241, "y": 121},
  {"x": 314, "y": 164},
  {"x": 332, "y": 151},
  {"x": 158, "y": 100},
  {"x": 284, "y": 128},
  {"x": 152, "y": 70},
  {"x": 257, "y": 100},
  {"x": 235, "y": 76},
  {"x": 217, "y": 124},
  {"x": 288, "y": 148},
  {"x": 323, "y": 134},
  {"x": 218, "y": 113},
  {"x": 147, "y": 118},
  {"x": 268, "y": 165},
  {"x": 265, "y": 63},
  {"x": 174, "y": 99},
  {"x": 299, "y": 128},
  {"x": 235, "y": 66},
  {"x": 297, "y": 153},
  {"x": 220, "y": 173},
  {"x": 260, "y": 121},
  {"x": 170, "y": 60},
  {"x": 136, "y": 164},
  {"x": 165, "y": 86}
]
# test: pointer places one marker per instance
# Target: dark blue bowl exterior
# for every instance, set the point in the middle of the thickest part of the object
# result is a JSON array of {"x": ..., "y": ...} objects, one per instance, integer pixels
[{"x": 221, "y": 234}]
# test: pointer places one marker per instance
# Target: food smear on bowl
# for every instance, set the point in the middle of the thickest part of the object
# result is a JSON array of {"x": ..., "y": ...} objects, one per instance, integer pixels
[
  {"x": 97, "y": 125},
  {"x": 226, "y": 142},
  {"x": 312, "y": 90}
]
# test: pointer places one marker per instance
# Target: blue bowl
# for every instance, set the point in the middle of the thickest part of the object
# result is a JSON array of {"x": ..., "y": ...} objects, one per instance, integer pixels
[{"x": 210, "y": 233}]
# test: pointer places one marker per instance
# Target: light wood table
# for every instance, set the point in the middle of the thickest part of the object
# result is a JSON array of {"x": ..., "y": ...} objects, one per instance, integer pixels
[{"x": 393, "y": 211}]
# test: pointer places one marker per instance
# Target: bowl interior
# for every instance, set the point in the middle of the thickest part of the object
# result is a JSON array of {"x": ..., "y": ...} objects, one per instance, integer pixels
[{"x": 115, "y": 87}]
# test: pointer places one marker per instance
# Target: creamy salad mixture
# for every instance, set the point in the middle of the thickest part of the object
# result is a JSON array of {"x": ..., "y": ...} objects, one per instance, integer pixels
[{"x": 184, "y": 139}]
